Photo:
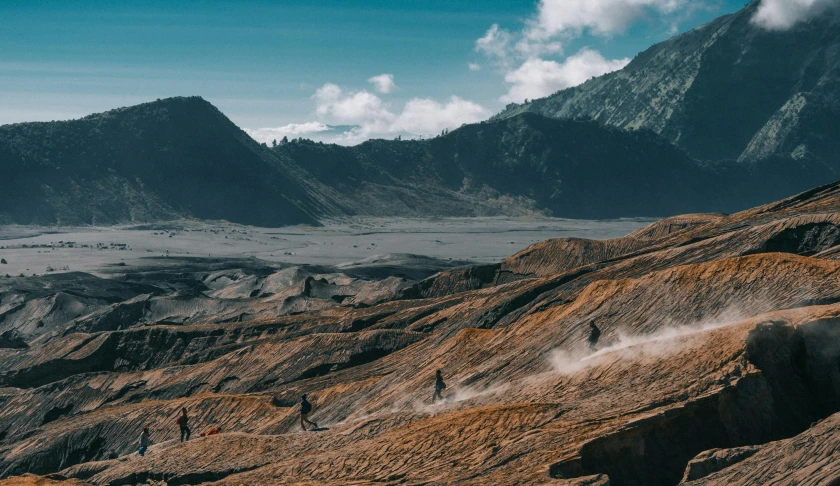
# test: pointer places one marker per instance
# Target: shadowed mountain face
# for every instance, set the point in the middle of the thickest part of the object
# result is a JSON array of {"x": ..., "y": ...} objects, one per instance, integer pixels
[
  {"x": 718, "y": 351},
  {"x": 526, "y": 163},
  {"x": 181, "y": 157},
  {"x": 162, "y": 160},
  {"x": 727, "y": 90}
]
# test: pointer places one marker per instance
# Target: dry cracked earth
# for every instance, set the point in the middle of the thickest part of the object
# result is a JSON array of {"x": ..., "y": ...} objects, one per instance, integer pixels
[{"x": 719, "y": 363}]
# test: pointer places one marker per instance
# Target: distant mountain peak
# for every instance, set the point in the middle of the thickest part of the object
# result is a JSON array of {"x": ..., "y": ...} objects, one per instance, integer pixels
[{"x": 729, "y": 89}]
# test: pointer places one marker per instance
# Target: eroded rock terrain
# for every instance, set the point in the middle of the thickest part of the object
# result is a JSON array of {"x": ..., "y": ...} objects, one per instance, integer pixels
[{"x": 719, "y": 363}]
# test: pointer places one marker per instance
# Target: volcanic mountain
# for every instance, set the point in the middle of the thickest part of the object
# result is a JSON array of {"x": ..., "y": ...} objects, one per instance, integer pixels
[
  {"x": 729, "y": 90},
  {"x": 160, "y": 160},
  {"x": 718, "y": 364},
  {"x": 182, "y": 158}
]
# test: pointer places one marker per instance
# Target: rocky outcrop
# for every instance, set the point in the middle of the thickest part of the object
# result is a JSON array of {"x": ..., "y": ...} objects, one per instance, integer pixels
[
  {"x": 714, "y": 460},
  {"x": 719, "y": 340},
  {"x": 808, "y": 458}
]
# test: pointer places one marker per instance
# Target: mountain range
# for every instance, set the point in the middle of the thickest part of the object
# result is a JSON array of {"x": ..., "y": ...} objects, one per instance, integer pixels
[
  {"x": 721, "y": 118},
  {"x": 728, "y": 90}
]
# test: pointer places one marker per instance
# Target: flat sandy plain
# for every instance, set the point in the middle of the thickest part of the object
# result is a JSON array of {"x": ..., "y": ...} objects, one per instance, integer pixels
[{"x": 42, "y": 249}]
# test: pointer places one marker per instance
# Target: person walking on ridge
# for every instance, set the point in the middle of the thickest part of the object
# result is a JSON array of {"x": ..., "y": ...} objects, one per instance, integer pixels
[
  {"x": 594, "y": 334},
  {"x": 440, "y": 385},
  {"x": 144, "y": 441},
  {"x": 183, "y": 424},
  {"x": 305, "y": 410}
]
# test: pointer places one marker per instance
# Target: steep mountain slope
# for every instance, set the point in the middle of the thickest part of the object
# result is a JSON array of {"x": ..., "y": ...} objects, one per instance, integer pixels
[
  {"x": 529, "y": 162},
  {"x": 718, "y": 346},
  {"x": 172, "y": 158},
  {"x": 726, "y": 90},
  {"x": 181, "y": 157}
]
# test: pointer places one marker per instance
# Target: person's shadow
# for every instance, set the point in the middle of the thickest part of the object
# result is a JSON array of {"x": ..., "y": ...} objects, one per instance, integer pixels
[{"x": 319, "y": 429}]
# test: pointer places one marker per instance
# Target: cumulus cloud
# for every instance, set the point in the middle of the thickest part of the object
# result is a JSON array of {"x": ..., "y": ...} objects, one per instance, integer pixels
[
  {"x": 494, "y": 43},
  {"x": 354, "y": 108},
  {"x": 601, "y": 17},
  {"x": 384, "y": 83},
  {"x": 557, "y": 21},
  {"x": 474, "y": 66},
  {"x": 532, "y": 58},
  {"x": 325, "y": 95},
  {"x": 537, "y": 78},
  {"x": 419, "y": 115},
  {"x": 367, "y": 116},
  {"x": 784, "y": 14},
  {"x": 427, "y": 116},
  {"x": 358, "y": 108}
]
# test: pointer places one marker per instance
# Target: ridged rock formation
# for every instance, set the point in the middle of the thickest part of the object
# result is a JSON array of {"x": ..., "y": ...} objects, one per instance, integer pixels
[{"x": 719, "y": 363}]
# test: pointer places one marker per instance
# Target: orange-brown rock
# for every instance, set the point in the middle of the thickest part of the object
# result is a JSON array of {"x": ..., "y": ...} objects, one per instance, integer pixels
[{"x": 720, "y": 349}]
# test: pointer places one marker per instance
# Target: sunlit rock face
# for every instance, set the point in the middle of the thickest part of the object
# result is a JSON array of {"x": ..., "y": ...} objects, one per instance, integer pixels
[{"x": 719, "y": 348}]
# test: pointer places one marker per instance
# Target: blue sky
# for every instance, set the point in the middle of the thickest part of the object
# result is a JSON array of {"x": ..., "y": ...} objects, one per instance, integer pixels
[{"x": 275, "y": 64}]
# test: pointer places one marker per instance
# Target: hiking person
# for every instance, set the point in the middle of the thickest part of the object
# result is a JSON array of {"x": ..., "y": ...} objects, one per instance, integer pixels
[
  {"x": 594, "y": 334},
  {"x": 183, "y": 424},
  {"x": 305, "y": 410},
  {"x": 440, "y": 385},
  {"x": 144, "y": 441}
]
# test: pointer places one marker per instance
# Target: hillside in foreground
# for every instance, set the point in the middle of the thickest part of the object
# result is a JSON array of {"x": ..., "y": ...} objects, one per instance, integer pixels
[{"x": 718, "y": 364}]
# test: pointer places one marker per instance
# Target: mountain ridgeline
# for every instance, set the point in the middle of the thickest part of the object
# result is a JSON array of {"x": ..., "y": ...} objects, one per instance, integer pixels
[
  {"x": 721, "y": 118},
  {"x": 162, "y": 160},
  {"x": 525, "y": 164},
  {"x": 729, "y": 90},
  {"x": 182, "y": 158}
]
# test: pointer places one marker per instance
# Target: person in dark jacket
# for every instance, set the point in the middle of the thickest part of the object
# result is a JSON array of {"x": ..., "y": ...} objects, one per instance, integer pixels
[
  {"x": 144, "y": 441},
  {"x": 440, "y": 385},
  {"x": 594, "y": 334},
  {"x": 183, "y": 424},
  {"x": 305, "y": 410}
]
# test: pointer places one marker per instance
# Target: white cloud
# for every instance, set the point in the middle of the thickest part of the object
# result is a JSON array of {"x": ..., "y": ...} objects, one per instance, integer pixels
[
  {"x": 784, "y": 14},
  {"x": 537, "y": 77},
  {"x": 525, "y": 57},
  {"x": 494, "y": 43},
  {"x": 427, "y": 116},
  {"x": 474, "y": 66},
  {"x": 356, "y": 108},
  {"x": 325, "y": 96},
  {"x": 292, "y": 130},
  {"x": 372, "y": 118},
  {"x": 384, "y": 83},
  {"x": 601, "y": 17}
]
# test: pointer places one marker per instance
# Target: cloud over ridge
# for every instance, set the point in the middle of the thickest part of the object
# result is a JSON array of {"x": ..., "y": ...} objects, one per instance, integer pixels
[
  {"x": 537, "y": 77},
  {"x": 532, "y": 60},
  {"x": 784, "y": 14}
]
